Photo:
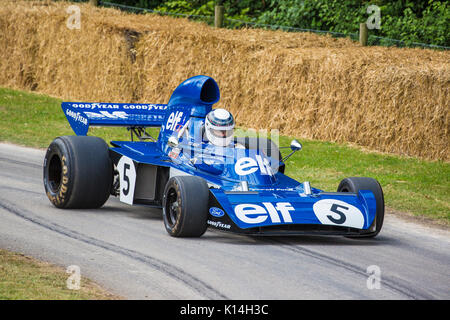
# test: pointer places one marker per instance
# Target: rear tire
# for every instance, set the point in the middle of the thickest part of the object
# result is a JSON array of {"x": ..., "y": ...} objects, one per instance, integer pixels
[
  {"x": 266, "y": 145},
  {"x": 185, "y": 206},
  {"x": 78, "y": 172},
  {"x": 354, "y": 184}
]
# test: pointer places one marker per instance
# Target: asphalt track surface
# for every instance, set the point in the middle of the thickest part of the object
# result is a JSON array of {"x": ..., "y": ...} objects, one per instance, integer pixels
[{"x": 126, "y": 250}]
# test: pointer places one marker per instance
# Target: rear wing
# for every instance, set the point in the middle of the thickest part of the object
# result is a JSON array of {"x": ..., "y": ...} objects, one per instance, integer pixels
[{"x": 82, "y": 115}]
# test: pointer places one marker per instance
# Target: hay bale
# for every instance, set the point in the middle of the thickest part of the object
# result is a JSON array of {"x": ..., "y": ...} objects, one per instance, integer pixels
[{"x": 387, "y": 99}]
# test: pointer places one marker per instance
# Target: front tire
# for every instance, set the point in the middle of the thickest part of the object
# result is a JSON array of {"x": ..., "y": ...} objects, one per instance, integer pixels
[
  {"x": 354, "y": 184},
  {"x": 185, "y": 206},
  {"x": 78, "y": 172}
]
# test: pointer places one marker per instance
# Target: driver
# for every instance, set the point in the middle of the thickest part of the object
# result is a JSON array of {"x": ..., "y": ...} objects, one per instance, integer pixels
[
  {"x": 219, "y": 127},
  {"x": 218, "y": 136}
]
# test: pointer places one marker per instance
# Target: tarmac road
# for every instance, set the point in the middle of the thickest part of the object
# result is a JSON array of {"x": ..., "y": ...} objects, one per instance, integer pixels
[{"x": 127, "y": 251}]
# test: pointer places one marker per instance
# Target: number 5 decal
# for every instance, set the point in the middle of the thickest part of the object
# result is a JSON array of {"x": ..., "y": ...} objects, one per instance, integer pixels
[
  {"x": 127, "y": 174},
  {"x": 340, "y": 213},
  {"x": 335, "y": 208}
]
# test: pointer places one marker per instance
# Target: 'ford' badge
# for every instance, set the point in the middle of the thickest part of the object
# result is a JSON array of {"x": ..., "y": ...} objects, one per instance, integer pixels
[{"x": 216, "y": 212}]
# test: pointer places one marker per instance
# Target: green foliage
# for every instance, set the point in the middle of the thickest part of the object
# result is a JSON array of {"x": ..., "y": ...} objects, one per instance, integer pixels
[
  {"x": 409, "y": 21},
  {"x": 432, "y": 27},
  {"x": 188, "y": 7},
  {"x": 323, "y": 15},
  {"x": 202, "y": 8}
]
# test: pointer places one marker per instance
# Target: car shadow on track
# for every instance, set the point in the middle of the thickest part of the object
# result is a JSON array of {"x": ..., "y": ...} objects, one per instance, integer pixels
[
  {"x": 115, "y": 207},
  {"x": 307, "y": 240}
]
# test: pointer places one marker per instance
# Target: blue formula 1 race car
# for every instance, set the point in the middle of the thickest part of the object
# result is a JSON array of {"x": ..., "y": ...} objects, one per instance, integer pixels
[{"x": 198, "y": 172}]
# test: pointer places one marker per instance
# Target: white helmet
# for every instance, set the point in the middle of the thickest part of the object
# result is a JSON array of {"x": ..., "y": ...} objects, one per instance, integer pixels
[{"x": 219, "y": 127}]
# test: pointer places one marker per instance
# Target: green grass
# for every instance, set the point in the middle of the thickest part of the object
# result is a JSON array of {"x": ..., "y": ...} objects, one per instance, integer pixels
[
  {"x": 410, "y": 185},
  {"x": 24, "y": 278}
]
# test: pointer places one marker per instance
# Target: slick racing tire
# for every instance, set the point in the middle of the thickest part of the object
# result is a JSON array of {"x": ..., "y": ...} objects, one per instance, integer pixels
[
  {"x": 355, "y": 184},
  {"x": 185, "y": 206},
  {"x": 269, "y": 148},
  {"x": 78, "y": 172}
]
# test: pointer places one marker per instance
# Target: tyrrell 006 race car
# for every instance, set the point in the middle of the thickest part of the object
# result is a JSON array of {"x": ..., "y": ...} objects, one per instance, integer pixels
[{"x": 238, "y": 187}]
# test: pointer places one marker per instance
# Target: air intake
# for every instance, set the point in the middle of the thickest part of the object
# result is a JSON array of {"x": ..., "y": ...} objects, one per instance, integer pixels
[{"x": 199, "y": 91}]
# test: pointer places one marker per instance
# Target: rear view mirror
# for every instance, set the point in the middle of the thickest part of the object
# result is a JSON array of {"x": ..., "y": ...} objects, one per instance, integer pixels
[{"x": 295, "y": 145}]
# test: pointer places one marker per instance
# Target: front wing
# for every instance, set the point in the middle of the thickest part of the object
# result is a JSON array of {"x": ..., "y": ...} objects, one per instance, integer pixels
[{"x": 287, "y": 212}]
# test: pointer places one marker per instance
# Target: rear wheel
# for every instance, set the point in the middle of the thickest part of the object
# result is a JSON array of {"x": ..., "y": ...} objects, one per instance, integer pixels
[
  {"x": 354, "y": 184},
  {"x": 185, "y": 206},
  {"x": 77, "y": 172}
]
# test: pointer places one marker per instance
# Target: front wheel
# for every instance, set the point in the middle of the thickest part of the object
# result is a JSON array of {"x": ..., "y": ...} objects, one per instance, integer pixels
[
  {"x": 185, "y": 206},
  {"x": 355, "y": 184}
]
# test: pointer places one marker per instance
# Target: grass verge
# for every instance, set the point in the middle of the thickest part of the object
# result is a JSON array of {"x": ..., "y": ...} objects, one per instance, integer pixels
[
  {"x": 24, "y": 278},
  {"x": 411, "y": 185}
]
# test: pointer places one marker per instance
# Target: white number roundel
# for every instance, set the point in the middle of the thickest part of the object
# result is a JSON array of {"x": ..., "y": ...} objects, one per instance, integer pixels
[
  {"x": 127, "y": 174},
  {"x": 340, "y": 213}
]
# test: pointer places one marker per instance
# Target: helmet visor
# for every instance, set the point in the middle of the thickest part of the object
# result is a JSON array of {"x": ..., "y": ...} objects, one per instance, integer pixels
[{"x": 222, "y": 133}]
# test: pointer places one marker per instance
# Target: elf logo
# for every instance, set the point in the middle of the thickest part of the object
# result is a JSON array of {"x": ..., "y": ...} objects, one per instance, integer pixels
[
  {"x": 246, "y": 165},
  {"x": 253, "y": 213},
  {"x": 174, "y": 120}
]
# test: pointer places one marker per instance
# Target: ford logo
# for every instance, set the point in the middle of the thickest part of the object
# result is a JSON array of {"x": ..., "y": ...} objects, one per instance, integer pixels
[{"x": 216, "y": 212}]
